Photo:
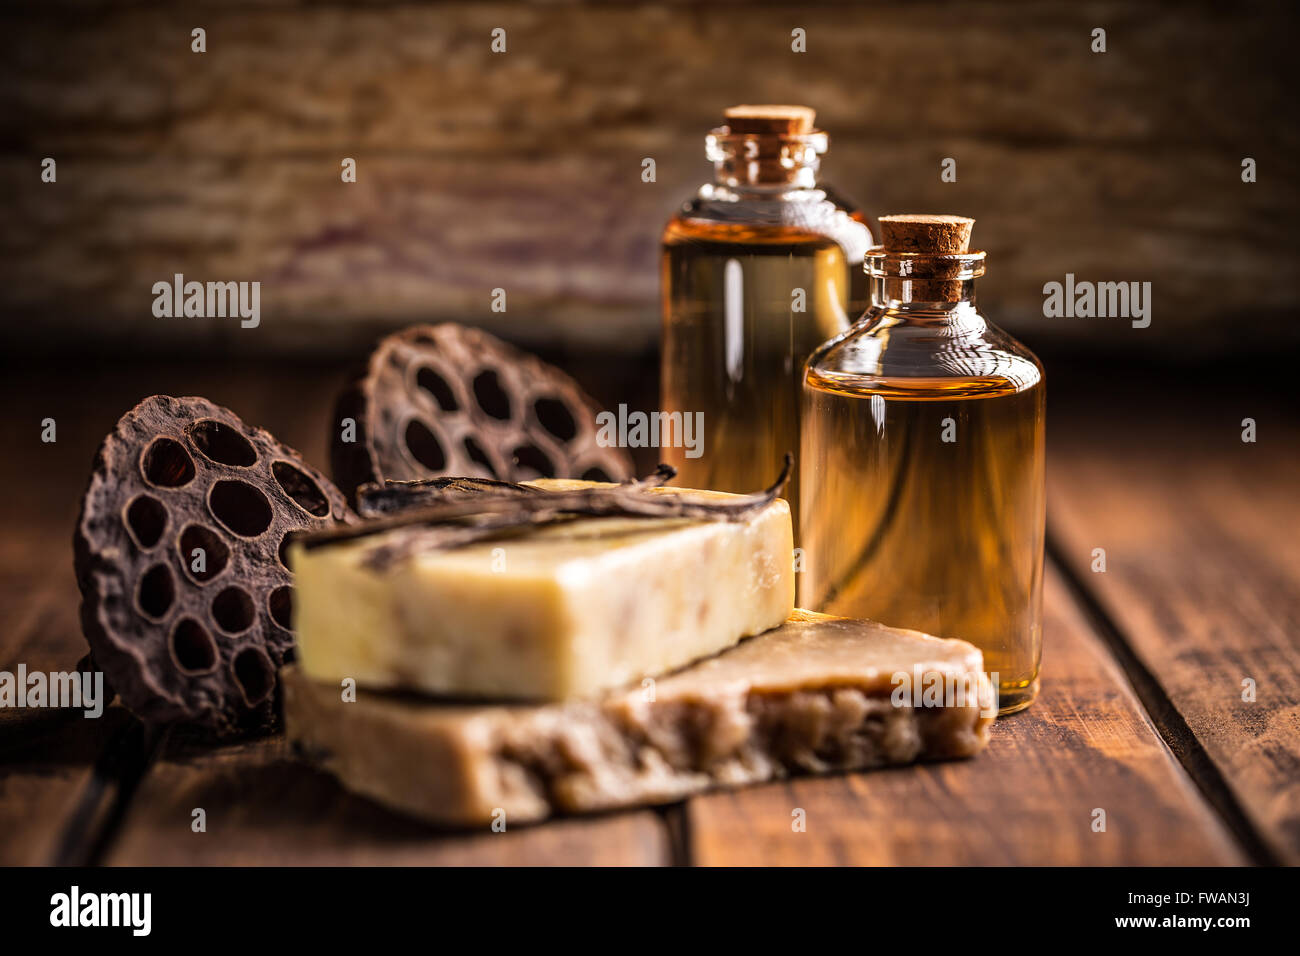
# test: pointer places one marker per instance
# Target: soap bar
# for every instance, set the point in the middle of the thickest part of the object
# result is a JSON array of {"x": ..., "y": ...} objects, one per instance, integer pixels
[
  {"x": 561, "y": 610},
  {"x": 818, "y": 694}
]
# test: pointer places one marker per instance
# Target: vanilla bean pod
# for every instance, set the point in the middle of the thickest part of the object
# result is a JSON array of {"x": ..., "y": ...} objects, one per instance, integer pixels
[{"x": 466, "y": 518}]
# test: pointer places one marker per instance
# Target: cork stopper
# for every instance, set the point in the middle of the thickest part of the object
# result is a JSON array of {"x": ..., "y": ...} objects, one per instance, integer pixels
[
  {"x": 781, "y": 120},
  {"x": 932, "y": 235}
]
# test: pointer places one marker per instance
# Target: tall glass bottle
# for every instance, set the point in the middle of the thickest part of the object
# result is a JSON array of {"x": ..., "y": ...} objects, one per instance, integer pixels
[
  {"x": 758, "y": 269},
  {"x": 923, "y": 460}
]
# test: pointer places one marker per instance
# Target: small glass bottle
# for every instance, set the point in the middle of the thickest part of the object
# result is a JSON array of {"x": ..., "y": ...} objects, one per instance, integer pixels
[
  {"x": 758, "y": 269},
  {"x": 923, "y": 460}
]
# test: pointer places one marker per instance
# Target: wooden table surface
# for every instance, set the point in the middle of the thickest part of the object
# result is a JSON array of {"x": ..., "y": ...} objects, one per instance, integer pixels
[{"x": 1143, "y": 714}]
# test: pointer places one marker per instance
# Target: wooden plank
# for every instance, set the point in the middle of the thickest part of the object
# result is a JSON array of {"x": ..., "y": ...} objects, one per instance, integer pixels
[
  {"x": 1086, "y": 744},
  {"x": 264, "y": 807},
  {"x": 523, "y": 170},
  {"x": 1202, "y": 580},
  {"x": 46, "y": 755}
]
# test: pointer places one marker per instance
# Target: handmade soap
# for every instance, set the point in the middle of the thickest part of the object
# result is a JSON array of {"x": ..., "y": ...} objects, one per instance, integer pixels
[
  {"x": 818, "y": 694},
  {"x": 565, "y": 609}
]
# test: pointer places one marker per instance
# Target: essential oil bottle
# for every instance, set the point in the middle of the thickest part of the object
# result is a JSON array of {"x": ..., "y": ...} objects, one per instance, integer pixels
[
  {"x": 760, "y": 268},
  {"x": 923, "y": 461}
]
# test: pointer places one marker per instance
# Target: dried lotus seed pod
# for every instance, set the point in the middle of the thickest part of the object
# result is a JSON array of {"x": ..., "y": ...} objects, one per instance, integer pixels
[
  {"x": 439, "y": 400},
  {"x": 179, "y": 553}
]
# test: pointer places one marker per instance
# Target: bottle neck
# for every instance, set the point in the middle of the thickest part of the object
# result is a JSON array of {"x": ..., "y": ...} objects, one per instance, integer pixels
[
  {"x": 926, "y": 289},
  {"x": 923, "y": 295},
  {"x": 765, "y": 163}
]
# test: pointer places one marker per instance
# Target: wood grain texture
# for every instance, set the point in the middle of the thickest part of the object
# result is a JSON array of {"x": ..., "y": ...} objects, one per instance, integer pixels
[
  {"x": 522, "y": 170},
  {"x": 46, "y": 755},
  {"x": 264, "y": 807},
  {"x": 1028, "y": 799},
  {"x": 1202, "y": 579}
]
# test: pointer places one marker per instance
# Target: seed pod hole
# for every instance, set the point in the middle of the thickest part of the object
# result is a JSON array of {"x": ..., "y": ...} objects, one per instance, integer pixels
[
  {"x": 146, "y": 519},
  {"x": 215, "y": 557},
  {"x": 255, "y": 675},
  {"x": 491, "y": 397},
  {"x": 479, "y": 456},
  {"x": 239, "y": 506},
  {"x": 233, "y": 610},
  {"x": 553, "y": 415},
  {"x": 300, "y": 487},
  {"x": 424, "y": 446},
  {"x": 533, "y": 462},
  {"x": 222, "y": 443},
  {"x": 437, "y": 387},
  {"x": 157, "y": 591},
  {"x": 280, "y": 604},
  {"x": 166, "y": 464},
  {"x": 284, "y": 549},
  {"x": 193, "y": 649}
]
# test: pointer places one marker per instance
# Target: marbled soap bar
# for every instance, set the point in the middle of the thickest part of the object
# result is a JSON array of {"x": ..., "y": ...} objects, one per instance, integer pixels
[
  {"x": 557, "y": 611},
  {"x": 818, "y": 694}
]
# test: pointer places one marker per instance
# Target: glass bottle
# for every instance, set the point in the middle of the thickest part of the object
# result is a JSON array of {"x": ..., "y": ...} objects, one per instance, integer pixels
[
  {"x": 757, "y": 270},
  {"x": 923, "y": 460}
]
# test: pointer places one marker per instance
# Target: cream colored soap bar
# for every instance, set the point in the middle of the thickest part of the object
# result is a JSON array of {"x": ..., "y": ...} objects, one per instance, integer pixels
[
  {"x": 816, "y": 695},
  {"x": 562, "y": 610}
]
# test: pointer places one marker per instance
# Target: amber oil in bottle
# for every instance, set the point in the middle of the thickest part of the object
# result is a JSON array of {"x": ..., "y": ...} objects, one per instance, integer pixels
[
  {"x": 757, "y": 270},
  {"x": 923, "y": 461}
]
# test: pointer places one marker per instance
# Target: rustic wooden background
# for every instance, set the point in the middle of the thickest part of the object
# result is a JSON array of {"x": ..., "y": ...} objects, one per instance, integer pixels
[{"x": 522, "y": 170}]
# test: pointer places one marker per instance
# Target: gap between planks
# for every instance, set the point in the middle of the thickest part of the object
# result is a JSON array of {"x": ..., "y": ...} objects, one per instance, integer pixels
[
  {"x": 676, "y": 822},
  {"x": 107, "y": 796},
  {"x": 1163, "y": 714}
]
